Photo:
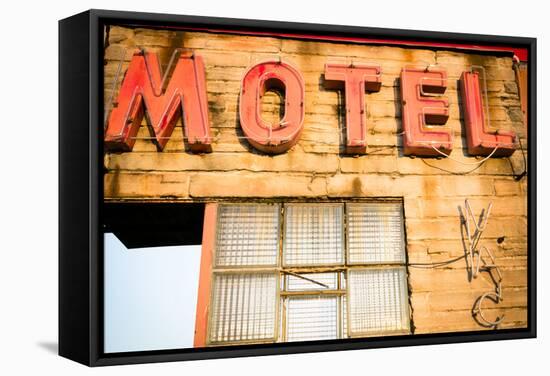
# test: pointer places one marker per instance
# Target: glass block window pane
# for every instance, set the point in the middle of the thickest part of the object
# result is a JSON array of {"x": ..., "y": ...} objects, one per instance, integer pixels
[
  {"x": 313, "y": 234},
  {"x": 375, "y": 233},
  {"x": 377, "y": 300},
  {"x": 311, "y": 318},
  {"x": 294, "y": 283},
  {"x": 247, "y": 235},
  {"x": 243, "y": 307}
]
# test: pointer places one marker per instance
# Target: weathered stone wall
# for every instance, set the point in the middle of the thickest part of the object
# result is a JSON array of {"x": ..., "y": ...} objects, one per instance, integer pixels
[{"x": 316, "y": 168}]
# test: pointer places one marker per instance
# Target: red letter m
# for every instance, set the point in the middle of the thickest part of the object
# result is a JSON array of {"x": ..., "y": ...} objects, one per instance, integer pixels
[{"x": 143, "y": 87}]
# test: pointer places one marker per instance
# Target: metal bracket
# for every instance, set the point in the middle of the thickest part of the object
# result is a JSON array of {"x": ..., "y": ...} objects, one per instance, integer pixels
[{"x": 475, "y": 257}]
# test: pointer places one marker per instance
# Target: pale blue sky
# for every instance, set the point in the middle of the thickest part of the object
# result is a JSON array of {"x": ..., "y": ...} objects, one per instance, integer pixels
[{"x": 150, "y": 296}]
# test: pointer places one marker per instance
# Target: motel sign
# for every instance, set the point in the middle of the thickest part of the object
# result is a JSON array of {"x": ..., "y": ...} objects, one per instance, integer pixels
[{"x": 424, "y": 107}]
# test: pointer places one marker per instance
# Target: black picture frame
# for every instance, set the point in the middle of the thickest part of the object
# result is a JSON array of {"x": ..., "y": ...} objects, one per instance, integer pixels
[{"x": 81, "y": 187}]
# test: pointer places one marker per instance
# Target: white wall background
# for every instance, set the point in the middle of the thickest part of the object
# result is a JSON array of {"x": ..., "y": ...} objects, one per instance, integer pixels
[{"x": 28, "y": 186}]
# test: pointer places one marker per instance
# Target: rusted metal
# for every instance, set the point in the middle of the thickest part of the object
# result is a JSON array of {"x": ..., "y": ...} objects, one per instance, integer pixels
[
  {"x": 354, "y": 79},
  {"x": 481, "y": 140},
  {"x": 272, "y": 75},
  {"x": 143, "y": 91},
  {"x": 146, "y": 89},
  {"x": 421, "y": 110},
  {"x": 476, "y": 257}
]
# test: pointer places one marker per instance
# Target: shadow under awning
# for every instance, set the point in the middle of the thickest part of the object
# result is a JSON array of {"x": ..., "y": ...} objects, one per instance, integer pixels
[{"x": 141, "y": 225}]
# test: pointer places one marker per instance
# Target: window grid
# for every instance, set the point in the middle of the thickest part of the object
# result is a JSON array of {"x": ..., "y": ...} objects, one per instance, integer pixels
[
  {"x": 303, "y": 309},
  {"x": 247, "y": 235},
  {"x": 313, "y": 234},
  {"x": 377, "y": 300},
  {"x": 311, "y": 318},
  {"x": 349, "y": 249},
  {"x": 375, "y": 233},
  {"x": 244, "y": 307},
  {"x": 295, "y": 283}
]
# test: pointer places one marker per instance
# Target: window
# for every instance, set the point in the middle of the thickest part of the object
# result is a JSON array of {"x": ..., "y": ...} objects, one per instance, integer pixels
[
  {"x": 302, "y": 272},
  {"x": 244, "y": 308},
  {"x": 313, "y": 234}
]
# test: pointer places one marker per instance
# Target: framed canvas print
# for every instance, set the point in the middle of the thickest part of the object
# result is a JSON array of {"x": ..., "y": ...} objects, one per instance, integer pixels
[{"x": 239, "y": 187}]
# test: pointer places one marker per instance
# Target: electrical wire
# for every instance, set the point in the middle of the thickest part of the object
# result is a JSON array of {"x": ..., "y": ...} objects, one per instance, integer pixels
[
  {"x": 466, "y": 163},
  {"x": 305, "y": 278},
  {"x": 432, "y": 265},
  {"x": 449, "y": 171},
  {"x": 518, "y": 177}
]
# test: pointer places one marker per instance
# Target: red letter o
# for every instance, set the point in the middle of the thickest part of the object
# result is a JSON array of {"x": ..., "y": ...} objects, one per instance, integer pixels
[{"x": 272, "y": 138}]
